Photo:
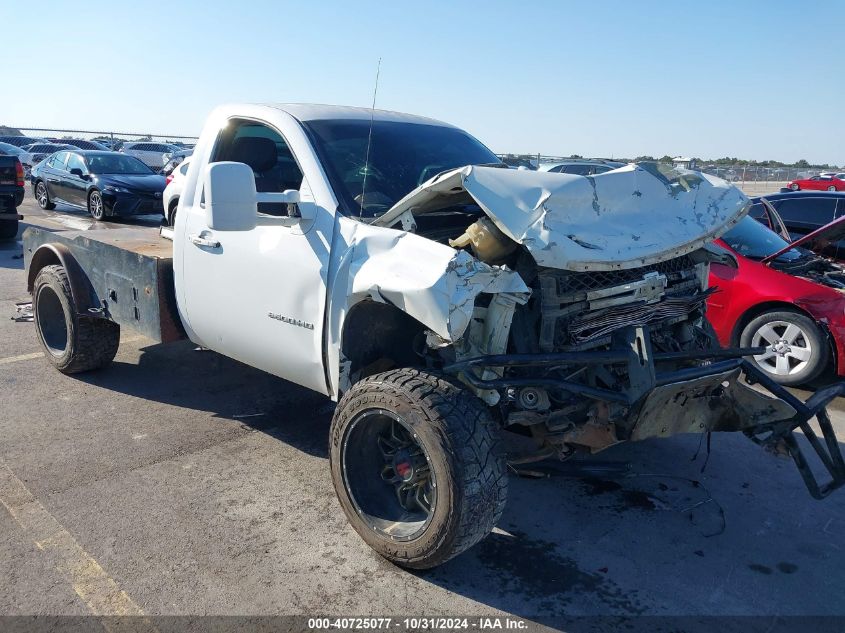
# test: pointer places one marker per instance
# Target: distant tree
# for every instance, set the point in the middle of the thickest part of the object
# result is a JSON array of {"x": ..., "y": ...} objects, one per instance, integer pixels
[
  {"x": 802, "y": 163},
  {"x": 640, "y": 159},
  {"x": 666, "y": 158},
  {"x": 576, "y": 156}
]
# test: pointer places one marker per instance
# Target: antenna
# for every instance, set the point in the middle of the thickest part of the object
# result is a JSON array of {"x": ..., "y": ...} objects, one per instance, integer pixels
[{"x": 369, "y": 141}]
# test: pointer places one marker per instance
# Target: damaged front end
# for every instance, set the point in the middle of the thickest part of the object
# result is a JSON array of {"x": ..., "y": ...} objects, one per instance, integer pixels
[{"x": 586, "y": 326}]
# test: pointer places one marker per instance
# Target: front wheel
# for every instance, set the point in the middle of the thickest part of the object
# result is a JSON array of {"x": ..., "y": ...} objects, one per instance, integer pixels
[
  {"x": 794, "y": 186},
  {"x": 417, "y": 466},
  {"x": 796, "y": 350},
  {"x": 96, "y": 207},
  {"x": 831, "y": 188}
]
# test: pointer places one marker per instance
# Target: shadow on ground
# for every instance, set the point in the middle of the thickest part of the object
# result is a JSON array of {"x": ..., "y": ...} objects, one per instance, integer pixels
[{"x": 572, "y": 540}]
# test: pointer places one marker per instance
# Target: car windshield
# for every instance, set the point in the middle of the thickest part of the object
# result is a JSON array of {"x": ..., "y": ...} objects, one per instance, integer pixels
[
  {"x": 402, "y": 156},
  {"x": 753, "y": 240},
  {"x": 116, "y": 164}
]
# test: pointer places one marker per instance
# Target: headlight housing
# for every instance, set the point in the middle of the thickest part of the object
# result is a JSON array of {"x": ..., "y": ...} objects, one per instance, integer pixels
[{"x": 115, "y": 189}]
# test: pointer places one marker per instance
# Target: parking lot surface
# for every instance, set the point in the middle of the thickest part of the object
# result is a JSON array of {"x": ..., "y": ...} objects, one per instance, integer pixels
[{"x": 182, "y": 482}]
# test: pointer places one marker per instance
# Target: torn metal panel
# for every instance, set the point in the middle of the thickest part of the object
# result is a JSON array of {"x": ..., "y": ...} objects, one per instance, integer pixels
[
  {"x": 628, "y": 217},
  {"x": 431, "y": 282},
  {"x": 718, "y": 402}
]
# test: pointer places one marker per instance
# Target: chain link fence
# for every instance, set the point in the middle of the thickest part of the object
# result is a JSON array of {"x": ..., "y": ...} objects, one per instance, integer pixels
[{"x": 110, "y": 138}]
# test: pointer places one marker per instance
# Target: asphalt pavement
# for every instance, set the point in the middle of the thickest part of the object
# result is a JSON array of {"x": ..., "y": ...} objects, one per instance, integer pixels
[{"x": 181, "y": 482}]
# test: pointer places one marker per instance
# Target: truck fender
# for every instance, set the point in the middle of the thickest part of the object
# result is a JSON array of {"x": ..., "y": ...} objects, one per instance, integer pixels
[
  {"x": 84, "y": 297},
  {"x": 433, "y": 284}
]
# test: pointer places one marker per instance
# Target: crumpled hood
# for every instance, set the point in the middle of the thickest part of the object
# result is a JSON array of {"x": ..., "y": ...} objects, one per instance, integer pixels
[{"x": 629, "y": 217}]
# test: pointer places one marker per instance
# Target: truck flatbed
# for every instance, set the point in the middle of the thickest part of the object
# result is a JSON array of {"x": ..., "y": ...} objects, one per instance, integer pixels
[{"x": 129, "y": 276}]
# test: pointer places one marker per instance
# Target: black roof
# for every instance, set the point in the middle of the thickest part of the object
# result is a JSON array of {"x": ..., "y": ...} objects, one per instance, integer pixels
[{"x": 801, "y": 194}]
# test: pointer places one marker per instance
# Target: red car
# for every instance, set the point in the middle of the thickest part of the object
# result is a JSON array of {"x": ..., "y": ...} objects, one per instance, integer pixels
[
  {"x": 781, "y": 297},
  {"x": 818, "y": 183}
]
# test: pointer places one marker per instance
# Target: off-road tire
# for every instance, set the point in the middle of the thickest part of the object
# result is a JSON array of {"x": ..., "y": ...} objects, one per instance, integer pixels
[
  {"x": 464, "y": 450},
  {"x": 817, "y": 339},
  {"x": 42, "y": 196},
  {"x": 8, "y": 229},
  {"x": 90, "y": 342}
]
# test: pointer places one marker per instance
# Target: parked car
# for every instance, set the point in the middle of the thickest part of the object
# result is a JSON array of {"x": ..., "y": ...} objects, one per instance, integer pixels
[
  {"x": 802, "y": 212},
  {"x": 781, "y": 297},
  {"x": 20, "y": 141},
  {"x": 113, "y": 144},
  {"x": 175, "y": 160},
  {"x": 170, "y": 199},
  {"x": 105, "y": 183},
  {"x": 36, "y": 152},
  {"x": 582, "y": 168},
  {"x": 82, "y": 143},
  {"x": 11, "y": 195},
  {"x": 818, "y": 183},
  {"x": 153, "y": 155},
  {"x": 7, "y": 149}
]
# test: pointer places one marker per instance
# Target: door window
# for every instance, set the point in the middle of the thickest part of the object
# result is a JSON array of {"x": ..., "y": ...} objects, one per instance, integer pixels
[
  {"x": 74, "y": 161},
  {"x": 267, "y": 153},
  {"x": 58, "y": 161}
]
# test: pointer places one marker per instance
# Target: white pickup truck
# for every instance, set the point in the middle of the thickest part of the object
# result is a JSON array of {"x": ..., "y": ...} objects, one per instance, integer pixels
[{"x": 394, "y": 264}]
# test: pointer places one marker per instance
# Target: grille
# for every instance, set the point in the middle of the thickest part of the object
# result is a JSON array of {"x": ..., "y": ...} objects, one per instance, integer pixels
[
  {"x": 563, "y": 296},
  {"x": 576, "y": 282}
]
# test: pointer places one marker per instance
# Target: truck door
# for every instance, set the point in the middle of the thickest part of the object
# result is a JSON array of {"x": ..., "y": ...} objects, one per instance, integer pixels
[{"x": 260, "y": 295}]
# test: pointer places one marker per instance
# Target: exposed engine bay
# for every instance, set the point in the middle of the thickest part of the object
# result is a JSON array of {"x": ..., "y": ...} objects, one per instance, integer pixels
[
  {"x": 571, "y": 312},
  {"x": 814, "y": 268}
]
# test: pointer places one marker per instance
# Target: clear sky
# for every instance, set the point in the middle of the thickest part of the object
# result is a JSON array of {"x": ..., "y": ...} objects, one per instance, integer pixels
[{"x": 752, "y": 79}]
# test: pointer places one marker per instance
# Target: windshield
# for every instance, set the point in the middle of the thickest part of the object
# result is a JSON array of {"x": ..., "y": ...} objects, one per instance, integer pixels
[
  {"x": 753, "y": 240},
  {"x": 402, "y": 156},
  {"x": 116, "y": 164}
]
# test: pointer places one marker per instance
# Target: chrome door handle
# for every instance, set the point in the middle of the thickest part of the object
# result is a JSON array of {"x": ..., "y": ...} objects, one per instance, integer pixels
[{"x": 201, "y": 241}]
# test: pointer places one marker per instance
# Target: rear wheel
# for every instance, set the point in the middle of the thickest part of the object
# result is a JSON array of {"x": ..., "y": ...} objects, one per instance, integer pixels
[
  {"x": 417, "y": 466},
  {"x": 831, "y": 188},
  {"x": 96, "y": 207},
  {"x": 171, "y": 214},
  {"x": 43, "y": 197},
  {"x": 72, "y": 343},
  {"x": 796, "y": 350}
]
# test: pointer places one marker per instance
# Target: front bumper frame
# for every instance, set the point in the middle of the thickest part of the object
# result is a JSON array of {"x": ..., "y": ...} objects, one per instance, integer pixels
[{"x": 726, "y": 404}]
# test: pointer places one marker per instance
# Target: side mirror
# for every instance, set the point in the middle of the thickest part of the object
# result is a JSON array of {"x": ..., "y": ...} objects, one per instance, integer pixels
[
  {"x": 76, "y": 171},
  {"x": 230, "y": 198}
]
